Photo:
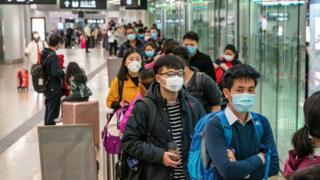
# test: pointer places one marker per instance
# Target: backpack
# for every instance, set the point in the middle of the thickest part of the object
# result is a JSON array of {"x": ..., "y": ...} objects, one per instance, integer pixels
[
  {"x": 123, "y": 171},
  {"x": 111, "y": 132},
  {"x": 199, "y": 164},
  {"x": 39, "y": 80}
]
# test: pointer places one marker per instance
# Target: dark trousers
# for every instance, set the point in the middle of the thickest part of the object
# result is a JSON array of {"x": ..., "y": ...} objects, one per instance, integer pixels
[
  {"x": 52, "y": 109},
  {"x": 113, "y": 46},
  {"x": 87, "y": 43}
]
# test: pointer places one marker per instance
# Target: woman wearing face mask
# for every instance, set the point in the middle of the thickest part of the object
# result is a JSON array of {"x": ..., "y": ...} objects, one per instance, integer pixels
[
  {"x": 225, "y": 62},
  {"x": 124, "y": 88},
  {"x": 34, "y": 48},
  {"x": 150, "y": 51},
  {"x": 146, "y": 78}
]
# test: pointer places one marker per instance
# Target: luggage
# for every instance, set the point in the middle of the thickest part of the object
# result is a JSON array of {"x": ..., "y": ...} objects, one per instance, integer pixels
[
  {"x": 83, "y": 113},
  {"x": 22, "y": 79}
]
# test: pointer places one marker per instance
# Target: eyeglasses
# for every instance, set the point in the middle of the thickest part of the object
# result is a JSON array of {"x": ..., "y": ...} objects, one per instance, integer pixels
[{"x": 173, "y": 73}]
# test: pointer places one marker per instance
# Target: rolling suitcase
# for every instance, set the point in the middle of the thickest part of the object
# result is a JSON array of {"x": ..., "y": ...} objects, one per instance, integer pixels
[
  {"x": 22, "y": 79},
  {"x": 83, "y": 113}
]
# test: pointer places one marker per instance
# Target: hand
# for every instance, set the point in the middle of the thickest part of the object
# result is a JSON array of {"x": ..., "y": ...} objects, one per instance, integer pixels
[
  {"x": 157, "y": 57},
  {"x": 231, "y": 156},
  {"x": 124, "y": 103},
  {"x": 224, "y": 66},
  {"x": 167, "y": 159}
]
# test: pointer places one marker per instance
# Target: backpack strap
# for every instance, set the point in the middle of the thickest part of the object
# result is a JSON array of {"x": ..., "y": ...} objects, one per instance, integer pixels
[
  {"x": 199, "y": 77},
  {"x": 152, "y": 109},
  {"x": 226, "y": 127},
  {"x": 120, "y": 89},
  {"x": 260, "y": 130}
]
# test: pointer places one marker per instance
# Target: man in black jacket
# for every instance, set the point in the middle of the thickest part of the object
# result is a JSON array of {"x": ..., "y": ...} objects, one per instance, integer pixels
[
  {"x": 54, "y": 75},
  {"x": 198, "y": 60},
  {"x": 163, "y": 151}
]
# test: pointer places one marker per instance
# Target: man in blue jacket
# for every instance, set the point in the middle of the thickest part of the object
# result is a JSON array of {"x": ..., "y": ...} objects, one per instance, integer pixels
[{"x": 243, "y": 158}]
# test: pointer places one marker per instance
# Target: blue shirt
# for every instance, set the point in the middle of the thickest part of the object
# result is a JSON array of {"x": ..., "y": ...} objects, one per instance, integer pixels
[{"x": 246, "y": 147}]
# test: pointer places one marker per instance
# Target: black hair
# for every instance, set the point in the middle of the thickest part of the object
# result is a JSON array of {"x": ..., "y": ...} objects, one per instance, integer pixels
[
  {"x": 146, "y": 73},
  {"x": 309, "y": 173},
  {"x": 191, "y": 35},
  {"x": 151, "y": 43},
  {"x": 168, "y": 45},
  {"x": 141, "y": 30},
  {"x": 54, "y": 40},
  {"x": 73, "y": 70},
  {"x": 130, "y": 27},
  {"x": 233, "y": 49},
  {"x": 168, "y": 61},
  {"x": 123, "y": 71},
  {"x": 301, "y": 141},
  {"x": 182, "y": 52},
  {"x": 154, "y": 27},
  {"x": 241, "y": 71}
]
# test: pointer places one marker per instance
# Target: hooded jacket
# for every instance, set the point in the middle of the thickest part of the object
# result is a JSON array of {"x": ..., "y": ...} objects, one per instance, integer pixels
[
  {"x": 149, "y": 149},
  {"x": 126, "y": 45},
  {"x": 293, "y": 163},
  {"x": 52, "y": 72}
]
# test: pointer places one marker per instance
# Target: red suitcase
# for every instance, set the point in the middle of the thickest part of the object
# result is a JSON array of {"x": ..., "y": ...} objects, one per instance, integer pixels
[
  {"x": 22, "y": 79},
  {"x": 83, "y": 113}
]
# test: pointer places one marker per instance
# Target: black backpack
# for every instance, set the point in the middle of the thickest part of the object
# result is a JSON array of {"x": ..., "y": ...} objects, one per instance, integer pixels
[
  {"x": 123, "y": 172},
  {"x": 39, "y": 80}
]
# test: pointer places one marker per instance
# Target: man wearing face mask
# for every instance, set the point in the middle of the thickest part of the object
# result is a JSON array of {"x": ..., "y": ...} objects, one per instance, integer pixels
[
  {"x": 251, "y": 147},
  {"x": 34, "y": 48},
  {"x": 199, "y": 60},
  {"x": 163, "y": 150},
  {"x": 54, "y": 79},
  {"x": 132, "y": 42}
]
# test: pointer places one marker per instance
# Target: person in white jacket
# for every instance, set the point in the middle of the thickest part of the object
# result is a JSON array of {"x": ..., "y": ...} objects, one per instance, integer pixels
[
  {"x": 34, "y": 48},
  {"x": 112, "y": 38}
]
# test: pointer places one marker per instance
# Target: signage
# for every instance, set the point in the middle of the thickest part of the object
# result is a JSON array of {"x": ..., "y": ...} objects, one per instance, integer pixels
[
  {"x": 95, "y": 21},
  {"x": 28, "y": 1},
  {"x": 134, "y": 4},
  {"x": 83, "y": 4}
]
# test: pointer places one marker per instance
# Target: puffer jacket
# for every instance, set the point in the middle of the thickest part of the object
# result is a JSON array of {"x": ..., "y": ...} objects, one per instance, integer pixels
[
  {"x": 149, "y": 149},
  {"x": 293, "y": 163}
]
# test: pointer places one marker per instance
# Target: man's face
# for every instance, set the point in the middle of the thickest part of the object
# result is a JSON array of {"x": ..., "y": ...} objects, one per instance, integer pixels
[
  {"x": 240, "y": 86},
  {"x": 189, "y": 42},
  {"x": 130, "y": 31},
  {"x": 167, "y": 73}
]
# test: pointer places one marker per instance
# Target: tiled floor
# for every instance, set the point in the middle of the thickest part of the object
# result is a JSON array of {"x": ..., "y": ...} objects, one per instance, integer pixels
[{"x": 21, "y": 160}]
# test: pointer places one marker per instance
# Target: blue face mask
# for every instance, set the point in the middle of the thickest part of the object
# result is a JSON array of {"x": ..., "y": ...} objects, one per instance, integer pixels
[
  {"x": 192, "y": 50},
  {"x": 141, "y": 36},
  {"x": 149, "y": 54},
  {"x": 154, "y": 36},
  {"x": 131, "y": 37},
  {"x": 243, "y": 103}
]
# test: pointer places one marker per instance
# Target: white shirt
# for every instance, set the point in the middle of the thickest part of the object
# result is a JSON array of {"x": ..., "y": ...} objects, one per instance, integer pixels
[
  {"x": 232, "y": 118},
  {"x": 111, "y": 36},
  {"x": 32, "y": 50}
]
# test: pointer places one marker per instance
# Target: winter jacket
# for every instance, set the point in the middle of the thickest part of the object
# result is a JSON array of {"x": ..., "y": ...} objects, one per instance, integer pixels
[
  {"x": 52, "y": 72},
  {"x": 293, "y": 163},
  {"x": 126, "y": 45},
  {"x": 129, "y": 92},
  {"x": 149, "y": 149},
  {"x": 79, "y": 90}
]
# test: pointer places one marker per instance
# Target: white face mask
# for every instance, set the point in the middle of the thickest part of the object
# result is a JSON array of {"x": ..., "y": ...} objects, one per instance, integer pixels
[
  {"x": 134, "y": 66},
  {"x": 174, "y": 84},
  {"x": 228, "y": 58}
]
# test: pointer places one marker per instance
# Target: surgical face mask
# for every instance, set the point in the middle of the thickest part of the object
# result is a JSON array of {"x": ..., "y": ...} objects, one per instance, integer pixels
[
  {"x": 154, "y": 36},
  {"x": 192, "y": 50},
  {"x": 149, "y": 54},
  {"x": 228, "y": 57},
  {"x": 134, "y": 66},
  {"x": 243, "y": 103},
  {"x": 141, "y": 36},
  {"x": 131, "y": 37},
  {"x": 174, "y": 84}
]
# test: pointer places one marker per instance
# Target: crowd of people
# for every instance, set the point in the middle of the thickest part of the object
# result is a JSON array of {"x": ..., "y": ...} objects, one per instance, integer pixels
[{"x": 185, "y": 87}]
